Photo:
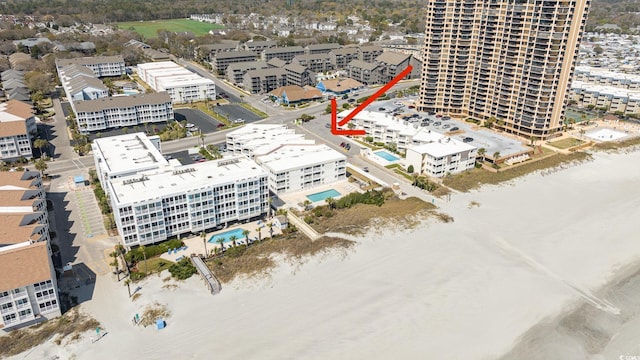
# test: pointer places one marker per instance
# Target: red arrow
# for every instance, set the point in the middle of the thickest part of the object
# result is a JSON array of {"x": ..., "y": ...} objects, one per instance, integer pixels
[{"x": 372, "y": 98}]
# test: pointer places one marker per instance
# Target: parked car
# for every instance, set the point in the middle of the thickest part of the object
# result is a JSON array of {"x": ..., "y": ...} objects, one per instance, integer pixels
[
  {"x": 446, "y": 117},
  {"x": 412, "y": 106},
  {"x": 467, "y": 139},
  {"x": 220, "y": 125},
  {"x": 381, "y": 109},
  {"x": 327, "y": 125},
  {"x": 351, "y": 100},
  {"x": 455, "y": 128},
  {"x": 446, "y": 126},
  {"x": 366, "y": 169},
  {"x": 438, "y": 115},
  {"x": 345, "y": 96},
  {"x": 437, "y": 123}
]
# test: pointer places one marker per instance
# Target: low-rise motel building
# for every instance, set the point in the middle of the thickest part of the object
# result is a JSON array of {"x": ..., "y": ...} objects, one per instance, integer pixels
[
  {"x": 154, "y": 199},
  {"x": 28, "y": 286}
]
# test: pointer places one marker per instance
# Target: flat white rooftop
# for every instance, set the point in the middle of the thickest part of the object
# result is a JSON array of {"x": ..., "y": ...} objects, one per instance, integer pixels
[
  {"x": 169, "y": 180},
  {"x": 290, "y": 157},
  {"x": 442, "y": 147},
  {"x": 128, "y": 153},
  {"x": 158, "y": 65},
  {"x": 388, "y": 121},
  {"x": 179, "y": 80}
]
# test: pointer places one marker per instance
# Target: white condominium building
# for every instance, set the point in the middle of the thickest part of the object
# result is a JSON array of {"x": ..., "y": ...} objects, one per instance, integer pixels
[
  {"x": 428, "y": 151},
  {"x": 155, "y": 205},
  {"x": 292, "y": 162},
  {"x": 154, "y": 199},
  {"x": 122, "y": 111},
  {"x": 126, "y": 155},
  {"x": 614, "y": 99},
  {"x": 260, "y": 139},
  {"x": 181, "y": 84},
  {"x": 101, "y": 65},
  {"x": 28, "y": 287},
  {"x": 441, "y": 157},
  {"x": 600, "y": 76},
  {"x": 302, "y": 167},
  {"x": 17, "y": 128}
]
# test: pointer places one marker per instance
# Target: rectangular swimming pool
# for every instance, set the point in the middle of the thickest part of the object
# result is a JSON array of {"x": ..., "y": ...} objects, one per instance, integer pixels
[
  {"x": 387, "y": 156},
  {"x": 226, "y": 236},
  {"x": 323, "y": 195}
]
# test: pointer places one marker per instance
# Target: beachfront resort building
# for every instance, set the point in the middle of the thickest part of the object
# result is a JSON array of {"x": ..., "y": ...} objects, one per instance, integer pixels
[
  {"x": 429, "y": 152},
  {"x": 292, "y": 162},
  {"x": 157, "y": 199},
  {"x": 100, "y": 65},
  {"x": 17, "y": 129},
  {"x": 513, "y": 63},
  {"x": 28, "y": 286},
  {"x": 180, "y": 83}
]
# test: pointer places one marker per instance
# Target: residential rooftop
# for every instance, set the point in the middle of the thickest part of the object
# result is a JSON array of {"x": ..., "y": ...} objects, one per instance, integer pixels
[
  {"x": 24, "y": 265},
  {"x": 122, "y": 102},
  {"x": 292, "y": 156},
  {"x": 128, "y": 153}
]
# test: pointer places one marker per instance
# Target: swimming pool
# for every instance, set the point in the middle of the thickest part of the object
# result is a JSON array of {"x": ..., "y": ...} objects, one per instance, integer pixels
[
  {"x": 131, "y": 92},
  {"x": 227, "y": 236},
  {"x": 323, "y": 195},
  {"x": 385, "y": 155}
]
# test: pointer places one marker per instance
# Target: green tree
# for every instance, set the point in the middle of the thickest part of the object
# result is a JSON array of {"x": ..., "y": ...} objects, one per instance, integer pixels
[
  {"x": 41, "y": 165},
  {"x": 144, "y": 254},
  {"x": 270, "y": 225},
  {"x": 410, "y": 169},
  {"x": 481, "y": 153},
  {"x": 40, "y": 144},
  {"x": 220, "y": 242},
  {"x": 259, "y": 230},
  {"x": 233, "y": 239},
  {"x": 245, "y": 233}
]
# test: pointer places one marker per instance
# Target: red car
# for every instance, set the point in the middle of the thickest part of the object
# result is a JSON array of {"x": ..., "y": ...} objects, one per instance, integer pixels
[{"x": 439, "y": 115}]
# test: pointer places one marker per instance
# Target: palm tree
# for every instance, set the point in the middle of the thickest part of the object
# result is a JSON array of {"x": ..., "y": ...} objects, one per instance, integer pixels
[
  {"x": 41, "y": 165},
  {"x": 115, "y": 263},
  {"x": 40, "y": 144},
  {"x": 481, "y": 153},
  {"x": 246, "y": 232},
  {"x": 127, "y": 283},
  {"x": 202, "y": 137},
  {"x": 233, "y": 240},
  {"x": 496, "y": 155},
  {"x": 270, "y": 225},
  {"x": 331, "y": 202},
  {"x": 259, "y": 234},
  {"x": 306, "y": 203},
  {"x": 204, "y": 241},
  {"x": 220, "y": 242}
]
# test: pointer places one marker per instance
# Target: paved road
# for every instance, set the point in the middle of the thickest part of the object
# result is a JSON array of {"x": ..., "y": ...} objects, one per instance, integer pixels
[{"x": 204, "y": 122}]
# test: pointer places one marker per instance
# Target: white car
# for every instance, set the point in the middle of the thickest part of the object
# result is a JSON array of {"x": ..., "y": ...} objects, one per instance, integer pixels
[{"x": 189, "y": 125}]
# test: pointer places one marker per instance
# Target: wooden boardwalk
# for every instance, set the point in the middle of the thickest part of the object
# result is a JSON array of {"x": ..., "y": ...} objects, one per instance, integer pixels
[{"x": 206, "y": 274}]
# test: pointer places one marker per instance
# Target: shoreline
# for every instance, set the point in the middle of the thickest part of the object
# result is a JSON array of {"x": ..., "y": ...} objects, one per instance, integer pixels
[{"x": 529, "y": 254}]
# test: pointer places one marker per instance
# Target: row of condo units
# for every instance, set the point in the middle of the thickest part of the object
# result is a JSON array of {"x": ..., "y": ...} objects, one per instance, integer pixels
[
  {"x": 154, "y": 199},
  {"x": 28, "y": 285},
  {"x": 17, "y": 130},
  {"x": 429, "y": 152},
  {"x": 180, "y": 83},
  {"x": 89, "y": 98},
  {"x": 614, "y": 99}
]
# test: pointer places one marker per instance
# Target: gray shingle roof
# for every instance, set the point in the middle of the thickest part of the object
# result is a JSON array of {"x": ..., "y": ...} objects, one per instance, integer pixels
[{"x": 122, "y": 102}]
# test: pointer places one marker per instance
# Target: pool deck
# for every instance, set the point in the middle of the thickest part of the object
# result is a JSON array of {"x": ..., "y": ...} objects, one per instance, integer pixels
[
  {"x": 296, "y": 199},
  {"x": 195, "y": 244}
]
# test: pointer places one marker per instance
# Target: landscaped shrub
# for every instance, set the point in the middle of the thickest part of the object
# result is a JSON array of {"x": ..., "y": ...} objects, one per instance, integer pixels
[
  {"x": 371, "y": 197},
  {"x": 135, "y": 276},
  {"x": 135, "y": 255},
  {"x": 235, "y": 251},
  {"x": 183, "y": 269}
]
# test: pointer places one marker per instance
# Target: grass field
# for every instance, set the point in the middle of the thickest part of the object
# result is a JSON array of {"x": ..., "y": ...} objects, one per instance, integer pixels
[
  {"x": 566, "y": 143},
  {"x": 149, "y": 29}
]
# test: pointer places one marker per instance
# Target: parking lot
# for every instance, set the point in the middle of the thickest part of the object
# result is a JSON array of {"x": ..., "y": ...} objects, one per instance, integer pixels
[
  {"x": 235, "y": 112},
  {"x": 458, "y": 129},
  {"x": 202, "y": 121}
]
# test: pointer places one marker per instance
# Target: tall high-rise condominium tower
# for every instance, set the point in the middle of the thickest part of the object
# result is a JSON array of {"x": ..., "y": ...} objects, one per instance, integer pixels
[{"x": 507, "y": 61}]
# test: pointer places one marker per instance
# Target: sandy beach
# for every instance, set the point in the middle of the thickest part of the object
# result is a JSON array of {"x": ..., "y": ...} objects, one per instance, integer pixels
[{"x": 514, "y": 272}]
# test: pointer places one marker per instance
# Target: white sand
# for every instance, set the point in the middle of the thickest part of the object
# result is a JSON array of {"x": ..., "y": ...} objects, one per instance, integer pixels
[{"x": 467, "y": 290}]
